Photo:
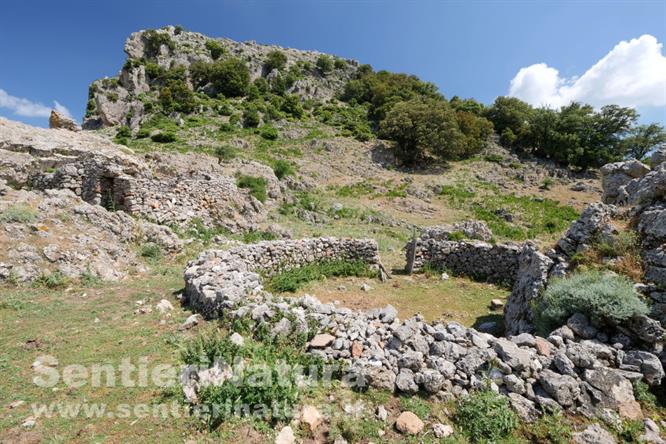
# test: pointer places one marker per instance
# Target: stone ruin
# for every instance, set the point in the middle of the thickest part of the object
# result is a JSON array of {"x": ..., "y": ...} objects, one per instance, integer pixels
[{"x": 106, "y": 174}]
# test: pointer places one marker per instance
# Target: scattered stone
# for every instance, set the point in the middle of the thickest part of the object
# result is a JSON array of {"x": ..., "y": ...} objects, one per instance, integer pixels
[
  {"x": 190, "y": 322},
  {"x": 286, "y": 436},
  {"x": 442, "y": 430},
  {"x": 164, "y": 306},
  {"x": 594, "y": 434},
  {"x": 321, "y": 341},
  {"x": 29, "y": 422},
  {"x": 366, "y": 287},
  {"x": 15, "y": 404},
  {"x": 237, "y": 339},
  {"x": 444, "y": 277},
  {"x": 409, "y": 424},
  {"x": 381, "y": 413},
  {"x": 496, "y": 304},
  {"x": 311, "y": 416}
]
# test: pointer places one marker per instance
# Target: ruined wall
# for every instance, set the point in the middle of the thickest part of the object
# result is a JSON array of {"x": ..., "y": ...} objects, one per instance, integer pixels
[
  {"x": 476, "y": 259},
  {"x": 218, "y": 279}
]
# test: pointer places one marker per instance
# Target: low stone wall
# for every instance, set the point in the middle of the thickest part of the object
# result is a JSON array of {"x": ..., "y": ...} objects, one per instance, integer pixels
[
  {"x": 571, "y": 369},
  {"x": 174, "y": 200},
  {"x": 476, "y": 259},
  {"x": 219, "y": 279}
]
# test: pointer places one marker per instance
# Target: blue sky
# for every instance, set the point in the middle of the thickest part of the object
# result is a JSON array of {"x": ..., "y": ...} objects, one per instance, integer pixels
[{"x": 51, "y": 51}]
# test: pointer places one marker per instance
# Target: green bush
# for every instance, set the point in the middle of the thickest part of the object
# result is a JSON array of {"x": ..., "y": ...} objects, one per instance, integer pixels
[
  {"x": 268, "y": 132},
  {"x": 552, "y": 428},
  {"x": 604, "y": 298},
  {"x": 291, "y": 105},
  {"x": 163, "y": 137},
  {"x": 18, "y": 213},
  {"x": 216, "y": 49},
  {"x": 325, "y": 64},
  {"x": 230, "y": 77},
  {"x": 486, "y": 415},
  {"x": 151, "y": 250},
  {"x": 643, "y": 394},
  {"x": 155, "y": 39},
  {"x": 226, "y": 152},
  {"x": 252, "y": 237},
  {"x": 292, "y": 280},
  {"x": 270, "y": 379},
  {"x": 282, "y": 169},
  {"x": 256, "y": 185},
  {"x": 340, "y": 63},
  {"x": 177, "y": 96},
  {"x": 251, "y": 118},
  {"x": 52, "y": 281},
  {"x": 275, "y": 60}
]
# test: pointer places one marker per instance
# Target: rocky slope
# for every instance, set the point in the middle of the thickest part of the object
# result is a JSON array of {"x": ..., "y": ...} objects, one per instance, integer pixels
[{"x": 122, "y": 99}]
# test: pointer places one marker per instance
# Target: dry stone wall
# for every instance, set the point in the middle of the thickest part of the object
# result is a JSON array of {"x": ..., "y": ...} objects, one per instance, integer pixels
[
  {"x": 219, "y": 279},
  {"x": 568, "y": 370},
  {"x": 477, "y": 259}
]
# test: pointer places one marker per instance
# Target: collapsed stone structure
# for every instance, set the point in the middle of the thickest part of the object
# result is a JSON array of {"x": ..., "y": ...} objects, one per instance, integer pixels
[
  {"x": 572, "y": 369},
  {"x": 219, "y": 279},
  {"x": 158, "y": 188}
]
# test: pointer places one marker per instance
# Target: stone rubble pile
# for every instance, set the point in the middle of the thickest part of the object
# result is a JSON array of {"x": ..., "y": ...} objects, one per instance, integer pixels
[
  {"x": 171, "y": 192},
  {"x": 576, "y": 368}
]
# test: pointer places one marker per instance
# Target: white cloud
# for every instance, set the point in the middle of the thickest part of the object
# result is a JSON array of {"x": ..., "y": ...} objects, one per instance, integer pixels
[
  {"x": 26, "y": 108},
  {"x": 632, "y": 74}
]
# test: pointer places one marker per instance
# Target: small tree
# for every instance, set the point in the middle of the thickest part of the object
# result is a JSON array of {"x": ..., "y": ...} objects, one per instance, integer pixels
[
  {"x": 216, "y": 49},
  {"x": 230, "y": 77},
  {"x": 643, "y": 139},
  {"x": 275, "y": 60},
  {"x": 423, "y": 128},
  {"x": 325, "y": 64}
]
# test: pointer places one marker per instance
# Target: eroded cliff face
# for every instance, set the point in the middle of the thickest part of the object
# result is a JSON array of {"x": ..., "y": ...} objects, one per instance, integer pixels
[{"x": 129, "y": 97}]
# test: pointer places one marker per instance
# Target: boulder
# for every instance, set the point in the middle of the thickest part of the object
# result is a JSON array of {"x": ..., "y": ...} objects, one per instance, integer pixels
[
  {"x": 409, "y": 424},
  {"x": 658, "y": 157},
  {"x": 564, "y": 389},
  {"x": 58, "y": 121},
  {"x": 646, "y": 363},
  {"x": 610, "y": 389},
  {"x": 594, "y": 434},
  {"x": 616, "y": 176}
]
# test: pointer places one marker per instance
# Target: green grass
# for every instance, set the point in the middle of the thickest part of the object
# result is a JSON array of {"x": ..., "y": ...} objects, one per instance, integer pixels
[
  {"x": 532, "y": 217},
  {"x": 292, "y": 280},
  {"x": 52, "y": 280},
  {"x": 252, "y": 237},
  {"x": 355, "y": 190},
  {"x": 18, "y": 214},
  {"x": 256, "y": 186}
]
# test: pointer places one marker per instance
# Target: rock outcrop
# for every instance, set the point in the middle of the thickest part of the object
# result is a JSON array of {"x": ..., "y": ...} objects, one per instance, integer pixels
[
  {"x": 121, "y": 100},
  {"x": 58, "y": 121}
]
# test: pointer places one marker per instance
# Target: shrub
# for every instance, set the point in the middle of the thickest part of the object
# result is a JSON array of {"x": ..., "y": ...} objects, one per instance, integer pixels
[
  {"x": 251, "y": 118},
  {"x": 177, "y": 96},
  {"x": 256, "y": 185},
  {"x": 275, "y": 60},
  {"x": 643, "y": 394},
  {"x": 292, "y": 106},
  {"x": 18, "y": 213},
  {"x": 292, "y": 280},
  {"x": 252, "y": 237},
  {"x": 282, "y": 169},
  {"x": 270, "y": 378},
  {"x": 486, "y": 415},
  {"x": 268, "y": 132},
  {"x": 340, "y": 63},
  {"x": 230, "y": 77},
  {"x": 216, "y": 49},
  {"x": 123, "y": 134},
  {"x": 154, "y": 41},
  {"x": 53, "y": 280},
  {"x": 552, "y": 428},
  {"x": 605, "y": 299},
  {"x": 325, "y": 64},
  {"x": 151, "y": 250},
  {"x": 163, "y": 137},
  {"x": 226, "y": 152}
]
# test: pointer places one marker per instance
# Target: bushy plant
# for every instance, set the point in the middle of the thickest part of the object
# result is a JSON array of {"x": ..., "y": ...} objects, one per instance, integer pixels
[
  {"x": 256, "y": 186},
  {"x": 552, "y": 428},
  {"x": 606, "y": 299},
  {"x": 252, "y": 237},
  {"x": 282, "y": 169},
  {"x": 19, "y": 213},
  {"x": 295, "y": 278},
  {"x": 268, "y": 132},
  {"x": 230, "y": 77},
  {"x": 268, "y": 382},
  {"x": 154, "y": 40},
  {"x": 325, "y": 64},
  {"x": 291, "y": 105},
  {"x": 226, "y": 152},
  {"x": 275, "y": 60},
  {"x": 177, "y": 96},
  {"x": 123, "y": 134},
  {"x": 251, "y": 117},
  {"x": 163, "y": 137},
  {"x": 151, "y": 250},
  {"x": 486, "y": 415},
  {"x": 52, "y": 281},
  {"x": 216, "y": 49}
]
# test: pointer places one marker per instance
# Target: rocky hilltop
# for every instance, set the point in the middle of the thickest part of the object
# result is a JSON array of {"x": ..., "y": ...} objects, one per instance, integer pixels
[{"x": 126, "y": 99}]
